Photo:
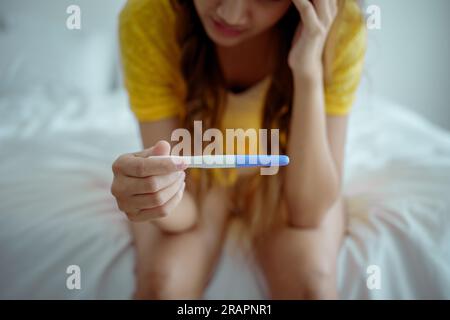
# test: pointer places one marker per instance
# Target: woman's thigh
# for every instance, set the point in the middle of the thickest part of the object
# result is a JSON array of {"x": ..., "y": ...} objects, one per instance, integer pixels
[{"x": 301, "y": 263}]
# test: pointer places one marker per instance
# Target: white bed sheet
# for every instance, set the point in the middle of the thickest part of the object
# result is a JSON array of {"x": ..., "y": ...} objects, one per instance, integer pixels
[{"x": 56, "y": 210}]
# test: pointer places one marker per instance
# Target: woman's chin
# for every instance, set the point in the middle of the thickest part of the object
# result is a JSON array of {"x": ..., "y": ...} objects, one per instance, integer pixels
[{"x": 225, "y": 41}]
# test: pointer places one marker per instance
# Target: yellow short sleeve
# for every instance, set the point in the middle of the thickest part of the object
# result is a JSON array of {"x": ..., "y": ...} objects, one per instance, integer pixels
[
  {"x": 348, "y": 62},
  {"x": 150, "y": 56}
]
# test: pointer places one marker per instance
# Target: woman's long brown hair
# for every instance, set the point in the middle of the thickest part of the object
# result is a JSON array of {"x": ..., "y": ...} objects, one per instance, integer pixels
[{"x": 205, "y": 100}]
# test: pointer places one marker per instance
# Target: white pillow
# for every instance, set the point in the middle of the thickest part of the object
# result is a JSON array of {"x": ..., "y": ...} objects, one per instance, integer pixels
[
  {"x": 37, "y": 49},
  {"x": 82, "y": 63}
]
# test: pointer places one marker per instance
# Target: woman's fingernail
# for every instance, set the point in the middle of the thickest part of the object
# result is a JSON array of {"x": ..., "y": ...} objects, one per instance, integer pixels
[{"x": 179, "y": 163}]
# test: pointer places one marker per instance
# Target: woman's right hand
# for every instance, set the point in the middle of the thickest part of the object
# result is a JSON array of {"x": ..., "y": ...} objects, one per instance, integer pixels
[{"x": 146, "y": 188}]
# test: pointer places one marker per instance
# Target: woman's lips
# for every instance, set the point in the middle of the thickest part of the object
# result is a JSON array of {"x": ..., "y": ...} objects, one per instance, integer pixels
[{"x": 226, "y": 30}]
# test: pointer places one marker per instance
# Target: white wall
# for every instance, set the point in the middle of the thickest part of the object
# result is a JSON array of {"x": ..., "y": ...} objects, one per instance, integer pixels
[
  {"x": 96, "y": 15},
  {"x": 408, "y": 59},
  {"x": 37, "y": 48}
]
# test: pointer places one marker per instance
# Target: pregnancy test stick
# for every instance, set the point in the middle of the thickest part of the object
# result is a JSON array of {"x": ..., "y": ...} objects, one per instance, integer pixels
[{"x": 231, "y": 161}]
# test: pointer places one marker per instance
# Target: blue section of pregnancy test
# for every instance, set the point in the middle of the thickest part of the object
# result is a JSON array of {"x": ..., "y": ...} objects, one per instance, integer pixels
[{"x": 243, "y": 161}]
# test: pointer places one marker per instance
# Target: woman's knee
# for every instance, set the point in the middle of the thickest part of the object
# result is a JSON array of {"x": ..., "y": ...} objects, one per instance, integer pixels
[
  {"x": 318, "y": 282},
  {"x": 171, "y": 284},
  {"x": 299, "y": 264},
  {"x": 182, "y": 265},
  {"x": 301, "y": 278}
]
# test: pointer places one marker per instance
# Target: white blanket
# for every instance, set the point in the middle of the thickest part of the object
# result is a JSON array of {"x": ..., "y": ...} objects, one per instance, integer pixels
[{"x": 56, "y": 209}]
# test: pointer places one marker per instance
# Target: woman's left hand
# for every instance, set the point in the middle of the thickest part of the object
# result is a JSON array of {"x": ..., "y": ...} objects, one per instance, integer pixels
[{"x": 317, "y": 17}]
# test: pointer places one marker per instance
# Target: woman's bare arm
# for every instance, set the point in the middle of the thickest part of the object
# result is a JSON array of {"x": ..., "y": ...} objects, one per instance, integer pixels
[
  {"x": 312, "y": 182},
  {"x": 185, "y": 215}
]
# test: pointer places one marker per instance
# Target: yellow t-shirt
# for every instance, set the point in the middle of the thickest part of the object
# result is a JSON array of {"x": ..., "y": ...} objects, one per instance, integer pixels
[{"x": 150, "y": 56}]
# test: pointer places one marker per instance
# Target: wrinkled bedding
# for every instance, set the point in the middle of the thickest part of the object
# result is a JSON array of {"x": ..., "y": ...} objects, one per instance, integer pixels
[{"x": 56, "y": 209}]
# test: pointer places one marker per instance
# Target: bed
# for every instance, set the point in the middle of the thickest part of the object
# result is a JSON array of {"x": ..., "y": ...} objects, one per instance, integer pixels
[
  {"x": 56, "y": 209},
  {"x": 62, "y": 126}
]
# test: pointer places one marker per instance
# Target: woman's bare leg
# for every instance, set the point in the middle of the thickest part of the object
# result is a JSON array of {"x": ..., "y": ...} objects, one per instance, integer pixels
[
  {"x": 301, "y": 263},
  {"x": 179, "y": 266}
]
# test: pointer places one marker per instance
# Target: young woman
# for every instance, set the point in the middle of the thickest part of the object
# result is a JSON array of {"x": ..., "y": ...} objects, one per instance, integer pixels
[{"x": 287, "y": 64}]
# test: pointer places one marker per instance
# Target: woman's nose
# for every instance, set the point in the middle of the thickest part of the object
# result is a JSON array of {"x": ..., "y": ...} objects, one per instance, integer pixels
[{"x": 233, "y": 12}]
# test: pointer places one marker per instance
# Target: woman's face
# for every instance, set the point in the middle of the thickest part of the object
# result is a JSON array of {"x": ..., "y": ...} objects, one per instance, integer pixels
[{"x": 231, "y": 22}]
